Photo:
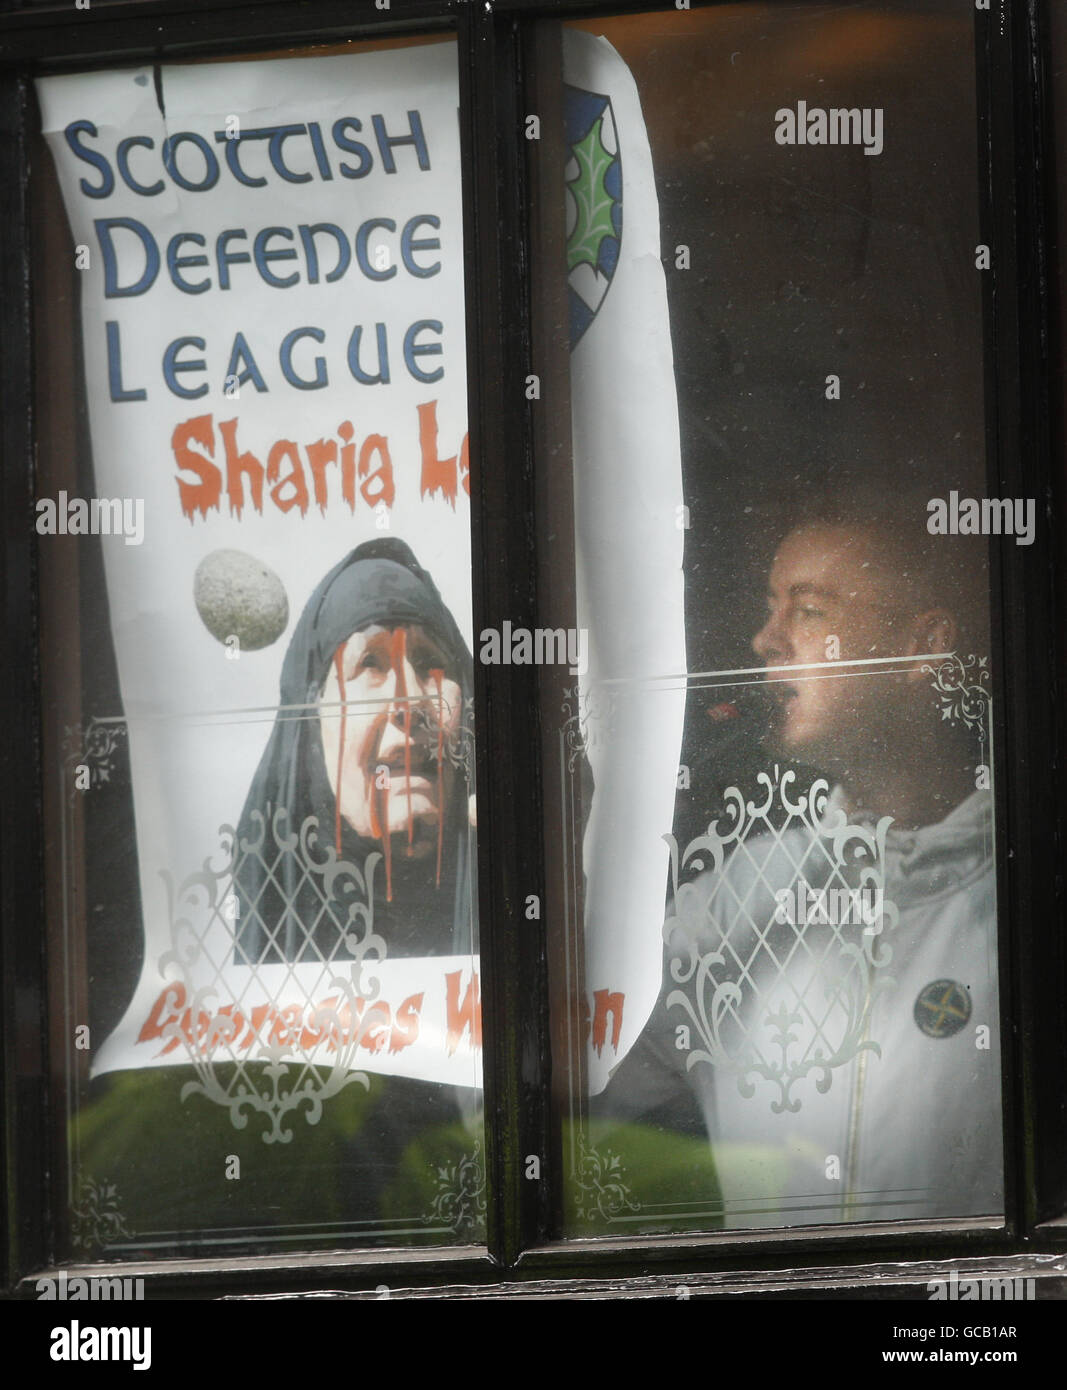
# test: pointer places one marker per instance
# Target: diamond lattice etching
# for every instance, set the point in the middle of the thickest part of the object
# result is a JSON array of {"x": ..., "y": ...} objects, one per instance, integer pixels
[
  {"x": 331, "y": 990},
  {"x": 766, "y": 993}
]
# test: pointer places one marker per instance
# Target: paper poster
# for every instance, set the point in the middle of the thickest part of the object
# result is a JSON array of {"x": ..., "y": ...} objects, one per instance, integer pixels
[
  {"x": 273, "y": 325},
  {"x": 630, "y": 524},
  {"x": 272, "y": 314}
]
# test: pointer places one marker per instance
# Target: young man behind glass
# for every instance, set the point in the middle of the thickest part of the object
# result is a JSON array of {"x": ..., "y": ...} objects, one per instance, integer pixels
[{"x": 843, "y": 1068}]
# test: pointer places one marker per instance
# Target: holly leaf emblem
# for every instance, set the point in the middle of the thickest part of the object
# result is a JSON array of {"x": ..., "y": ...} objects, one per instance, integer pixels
[{"x": 592, "y": 199}]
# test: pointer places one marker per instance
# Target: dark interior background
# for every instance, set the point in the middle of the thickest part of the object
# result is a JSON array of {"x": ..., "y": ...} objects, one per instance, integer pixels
[
  {"x": 807, "y": 261},
  {"x": 804, "y": 261}
]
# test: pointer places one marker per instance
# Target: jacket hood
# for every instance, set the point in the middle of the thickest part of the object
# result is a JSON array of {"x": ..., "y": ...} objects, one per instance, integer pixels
[{"x": 936, "y": 860}]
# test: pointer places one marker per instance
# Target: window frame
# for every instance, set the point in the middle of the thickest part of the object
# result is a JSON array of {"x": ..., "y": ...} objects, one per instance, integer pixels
[{"x": 498, "y": 62}]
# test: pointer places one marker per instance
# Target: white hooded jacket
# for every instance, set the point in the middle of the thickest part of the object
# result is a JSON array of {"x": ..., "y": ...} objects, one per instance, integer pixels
[{"x": 845, "y": 1071}]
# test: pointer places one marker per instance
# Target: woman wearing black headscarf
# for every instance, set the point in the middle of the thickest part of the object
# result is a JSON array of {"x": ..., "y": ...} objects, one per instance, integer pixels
[
  {"x": 394, "y": 1159},
  {"x": 368, "y": 758}
]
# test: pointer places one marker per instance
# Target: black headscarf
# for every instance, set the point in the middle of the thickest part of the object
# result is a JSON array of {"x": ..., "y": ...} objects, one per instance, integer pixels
[{"x": 381, "y": 583}]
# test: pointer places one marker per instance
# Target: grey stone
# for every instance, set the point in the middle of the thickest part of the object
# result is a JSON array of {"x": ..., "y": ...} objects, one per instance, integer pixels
[{"x": 238, "y": 596}]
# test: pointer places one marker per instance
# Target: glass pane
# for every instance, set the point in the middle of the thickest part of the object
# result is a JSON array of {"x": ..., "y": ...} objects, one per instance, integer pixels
[
  {"x": 255, "y": 563},
  {"x": 777, "y": 979}
]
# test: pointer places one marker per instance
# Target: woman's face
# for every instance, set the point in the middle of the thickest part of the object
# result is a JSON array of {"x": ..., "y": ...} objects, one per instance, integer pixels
[{"x": 387, "y": 708}]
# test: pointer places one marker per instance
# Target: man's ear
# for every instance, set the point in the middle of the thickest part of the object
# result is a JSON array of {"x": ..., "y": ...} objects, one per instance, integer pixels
[{"x": 928, "y": 634}]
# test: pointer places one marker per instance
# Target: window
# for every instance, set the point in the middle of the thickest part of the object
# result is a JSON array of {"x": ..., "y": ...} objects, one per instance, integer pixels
[
  {"x": 769, "y": 434},
  {"x": 284, "y": 692},
  {"x": 374, "y": 755}
]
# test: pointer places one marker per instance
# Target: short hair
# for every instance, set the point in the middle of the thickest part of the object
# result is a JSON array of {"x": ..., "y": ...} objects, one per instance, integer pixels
[{"x": 937, "y": 571}]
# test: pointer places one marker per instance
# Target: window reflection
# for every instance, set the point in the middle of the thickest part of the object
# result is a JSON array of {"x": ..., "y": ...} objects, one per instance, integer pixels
[{"x": 794, "y": 1019}]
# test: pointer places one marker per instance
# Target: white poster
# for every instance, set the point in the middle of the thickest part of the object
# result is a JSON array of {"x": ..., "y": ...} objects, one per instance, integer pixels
[
  {"x": 273, "y": 323},
  {"x": 631, "y": 528},
  {"x": 270, "y": 260}
]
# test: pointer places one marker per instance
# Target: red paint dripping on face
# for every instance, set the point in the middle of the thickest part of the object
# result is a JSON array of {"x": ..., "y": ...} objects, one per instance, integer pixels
[
  {"x": 382, "y": 757},
  {"x": 397, "y": 664},
  {"x": 397, "y": 659},
  {"x": 379, "y": 814}
]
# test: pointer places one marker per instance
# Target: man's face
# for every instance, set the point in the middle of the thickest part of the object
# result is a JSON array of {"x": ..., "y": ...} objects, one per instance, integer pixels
[
  {"x": 828, "y": 583},
  {"x": 401, "y": 702}
]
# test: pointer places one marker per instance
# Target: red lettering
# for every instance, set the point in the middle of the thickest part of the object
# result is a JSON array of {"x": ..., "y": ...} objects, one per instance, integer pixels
[
  {"x": 200, "y": 481},
  {"x": 320, "y": 454},
  {"x": 205, "y": 494},
  {"x": 287, "y": 1019},
  {"x": 344, "y": 1030},
  {"x": 379, "y": 486},
  {"x": 406, "y": 1024},
  {"x": 348, "y": 463},
  {"x": 438, "y": 475},
  {"x": 461, "y": 1017},
  {"x": 238, "y": 464},
  {"x": 167, "y": 1009},
  {"x": 203, "y": 1024},
  {"x": 377, "y": 1024},
  {"x": 226, "y": 1026},
  {"x": 260, "y": 1014},
  {"x": 294, "y": 479},
  {"x": 465, "y": 464},
  {"x": 324, "y": 1014},
  {"x": 605, "y": 1004}
]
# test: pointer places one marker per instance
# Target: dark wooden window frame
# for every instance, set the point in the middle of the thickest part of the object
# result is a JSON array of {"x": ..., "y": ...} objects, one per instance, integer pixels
[{"x": 498, "y": 64}]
